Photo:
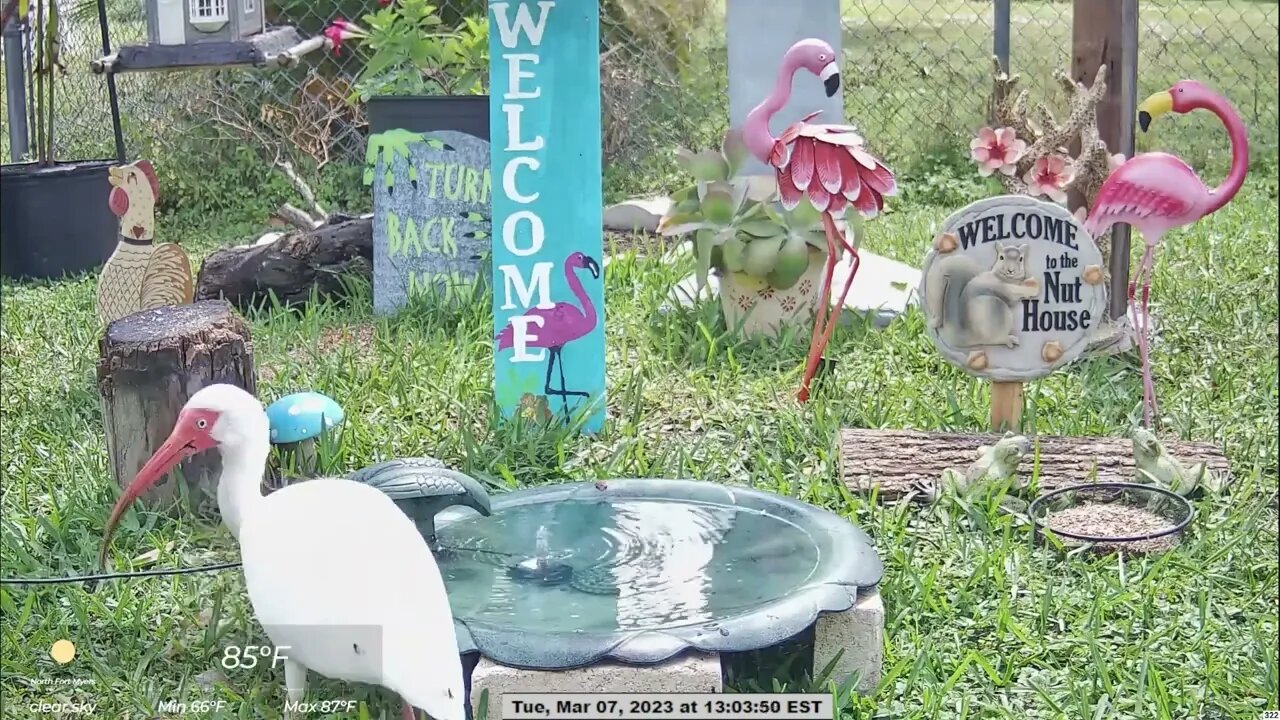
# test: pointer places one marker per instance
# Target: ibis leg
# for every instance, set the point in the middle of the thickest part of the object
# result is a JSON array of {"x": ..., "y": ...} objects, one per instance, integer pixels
[{"x": 295, "y": 685}]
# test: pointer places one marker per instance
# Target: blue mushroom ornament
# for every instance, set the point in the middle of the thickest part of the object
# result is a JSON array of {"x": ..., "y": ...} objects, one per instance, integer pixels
[
  {"x": 302, "y": 416},
  {"x": 422, "y": 487}
]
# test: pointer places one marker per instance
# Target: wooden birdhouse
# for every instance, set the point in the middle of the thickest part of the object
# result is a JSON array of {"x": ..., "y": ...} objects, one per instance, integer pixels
[{"x": 190, "y": 22}]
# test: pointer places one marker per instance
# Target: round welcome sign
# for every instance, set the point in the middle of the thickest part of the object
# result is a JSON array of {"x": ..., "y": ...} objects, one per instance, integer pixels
[{"x": 1012, "y": 288}]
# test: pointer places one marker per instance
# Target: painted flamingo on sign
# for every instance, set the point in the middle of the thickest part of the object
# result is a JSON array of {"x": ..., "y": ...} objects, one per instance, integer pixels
[
  {"x": 560, "y": 325},
  {"x": 826, "y": 165},
  {"x": 1155, "y": 192}
]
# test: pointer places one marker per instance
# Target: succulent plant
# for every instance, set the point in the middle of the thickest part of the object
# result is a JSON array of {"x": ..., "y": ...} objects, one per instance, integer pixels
[{"x": 733, "y": 233}]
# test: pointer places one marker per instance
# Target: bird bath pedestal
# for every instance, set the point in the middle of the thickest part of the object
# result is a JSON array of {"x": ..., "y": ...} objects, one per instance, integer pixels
[{"x": 642, "y": 585}]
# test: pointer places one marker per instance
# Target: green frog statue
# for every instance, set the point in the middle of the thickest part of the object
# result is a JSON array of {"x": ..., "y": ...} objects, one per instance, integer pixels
[
  {"x": 995, "y": 464},
  {"x": 1155, "y": 466}
]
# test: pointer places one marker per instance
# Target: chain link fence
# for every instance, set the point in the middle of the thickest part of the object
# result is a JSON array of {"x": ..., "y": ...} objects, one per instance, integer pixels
[{"x": 917, "y": 72}]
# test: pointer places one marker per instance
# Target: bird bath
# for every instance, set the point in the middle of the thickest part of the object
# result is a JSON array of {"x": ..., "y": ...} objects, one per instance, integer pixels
[{"x": 638, "y": 571}]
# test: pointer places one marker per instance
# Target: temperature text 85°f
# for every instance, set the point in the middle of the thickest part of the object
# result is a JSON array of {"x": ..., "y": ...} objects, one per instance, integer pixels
[{"x": 236, "y": 657}]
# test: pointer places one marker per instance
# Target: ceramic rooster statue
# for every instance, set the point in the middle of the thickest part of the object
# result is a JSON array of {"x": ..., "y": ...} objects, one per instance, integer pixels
[
  {"x": 1155, "y": 192},
  {"x": 140, "y": 275},
  {"x": 826, "y": 165}
]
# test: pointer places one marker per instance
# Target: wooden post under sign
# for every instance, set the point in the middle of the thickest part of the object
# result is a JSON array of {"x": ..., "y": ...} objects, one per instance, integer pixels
[{"x": 1006, "y": 406}]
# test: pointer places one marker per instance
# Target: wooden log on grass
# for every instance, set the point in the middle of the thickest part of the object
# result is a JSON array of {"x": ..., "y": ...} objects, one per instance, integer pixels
[
  {"x": 150, "y": 363},
  {"x": 291, "y": 267},
  {"x": 896, "y": 460}
]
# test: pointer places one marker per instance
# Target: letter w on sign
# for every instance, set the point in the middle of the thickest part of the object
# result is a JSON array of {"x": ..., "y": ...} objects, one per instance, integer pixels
[{"x": 548, "y": 301}]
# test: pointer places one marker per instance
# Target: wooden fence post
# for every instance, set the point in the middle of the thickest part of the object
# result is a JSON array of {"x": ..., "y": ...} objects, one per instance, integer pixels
[{"x": 1106, "y": 31}]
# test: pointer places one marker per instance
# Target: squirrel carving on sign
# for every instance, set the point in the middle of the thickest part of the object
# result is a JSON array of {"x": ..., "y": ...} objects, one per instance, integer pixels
[{"x": 971, "y": 307}]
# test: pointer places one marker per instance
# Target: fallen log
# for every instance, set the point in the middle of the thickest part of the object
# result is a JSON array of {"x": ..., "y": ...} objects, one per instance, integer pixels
[
  {"x": 895, "y": 460},
  {"x": 292, "y": 267}
]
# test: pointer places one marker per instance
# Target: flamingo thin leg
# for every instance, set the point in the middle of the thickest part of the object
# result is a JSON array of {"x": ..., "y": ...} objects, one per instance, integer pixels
[
  {"x": 822, "y": 317},
  {"x": 1142, "y": 328},
  {"x": 1149, "y": 383},
  {"x": 554, "y": 361},
  {"x": 844, "y": 291}
]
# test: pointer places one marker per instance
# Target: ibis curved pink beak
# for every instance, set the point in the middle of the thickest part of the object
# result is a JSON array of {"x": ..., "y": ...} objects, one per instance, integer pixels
[{"x": 185, "y": 440}]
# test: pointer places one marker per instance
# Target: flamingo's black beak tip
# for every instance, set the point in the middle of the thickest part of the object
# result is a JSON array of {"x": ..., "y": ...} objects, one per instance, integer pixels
[
  {"x": 590, "y": 264},
  {"x": 1144, "y": 120},
  {"x": 832, "y": 84}
]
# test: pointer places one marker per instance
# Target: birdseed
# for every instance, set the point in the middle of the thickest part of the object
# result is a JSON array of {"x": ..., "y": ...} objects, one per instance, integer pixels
[{"x": 1112, "y": 520}]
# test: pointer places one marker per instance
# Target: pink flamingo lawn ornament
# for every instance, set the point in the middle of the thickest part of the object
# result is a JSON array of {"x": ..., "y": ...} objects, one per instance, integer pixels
[
  {"x": 828, "y": 165},
  {"x": 561, "y": 324},
  {"x": 1155, "y": 192}
]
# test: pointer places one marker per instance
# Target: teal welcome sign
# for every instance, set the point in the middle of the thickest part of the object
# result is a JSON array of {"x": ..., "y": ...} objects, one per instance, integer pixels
[{"x": 548, "y": 299}]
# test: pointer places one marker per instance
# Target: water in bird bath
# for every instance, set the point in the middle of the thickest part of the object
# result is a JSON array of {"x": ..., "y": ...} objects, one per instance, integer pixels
[
  {"x": 565, "y": 575},
  {"x": 629, "y": 565}
]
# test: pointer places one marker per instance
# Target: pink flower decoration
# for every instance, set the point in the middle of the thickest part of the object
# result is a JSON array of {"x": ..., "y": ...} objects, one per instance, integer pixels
[
  {"x": 340, "y": 31},
  {"x": 996, "y": 150},
  {"x": 1048, "y": 176}
]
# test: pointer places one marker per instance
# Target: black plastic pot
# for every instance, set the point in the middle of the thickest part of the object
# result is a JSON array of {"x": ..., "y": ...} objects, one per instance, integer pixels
[
  {"x": 462, "y": 113},
  {"x": 54, "y": 221}
]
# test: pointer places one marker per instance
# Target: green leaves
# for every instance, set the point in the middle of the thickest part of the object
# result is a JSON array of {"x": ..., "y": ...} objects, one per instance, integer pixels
[
  {"x": 413, "y": 54},
  {"x": 792, "y": 261},
  {"x": 734, "y": 150},
  {"x": 721, "y": 202},
  {"x": 733, "y": 233},
  {"x": 705, "y": 166}
]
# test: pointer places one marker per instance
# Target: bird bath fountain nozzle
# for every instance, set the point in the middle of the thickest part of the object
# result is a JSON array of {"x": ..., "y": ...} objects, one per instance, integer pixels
[
  {"x": 638, "y": 571},
  {"x": 541, "y": 569}
]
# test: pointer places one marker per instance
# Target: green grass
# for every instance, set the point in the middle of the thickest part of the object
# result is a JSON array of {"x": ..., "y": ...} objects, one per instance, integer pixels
[{"x": 979, "y": 625}]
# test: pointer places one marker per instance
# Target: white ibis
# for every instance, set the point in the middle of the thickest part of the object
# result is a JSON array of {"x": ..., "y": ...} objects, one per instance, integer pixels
[{"x": 335, "y": 571}]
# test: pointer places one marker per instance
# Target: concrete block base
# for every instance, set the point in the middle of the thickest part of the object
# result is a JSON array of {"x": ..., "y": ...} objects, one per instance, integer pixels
[
  {"x": 690, "y": 673},
  {"x": 859, "y": 632}
]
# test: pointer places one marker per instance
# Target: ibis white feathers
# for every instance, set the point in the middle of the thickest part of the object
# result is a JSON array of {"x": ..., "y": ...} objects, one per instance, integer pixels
[{"x": 335, "y": 571}]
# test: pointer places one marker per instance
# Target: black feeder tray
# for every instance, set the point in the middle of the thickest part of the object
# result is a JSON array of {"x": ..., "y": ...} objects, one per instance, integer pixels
[{"x": 278, "y": 47}]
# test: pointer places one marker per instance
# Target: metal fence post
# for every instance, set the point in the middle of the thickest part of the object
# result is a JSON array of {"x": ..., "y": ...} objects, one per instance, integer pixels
[
  {"x": 1000, "y": 47},
  {"x": 1120, "y": 234},
  {"x": 15, "y": 91},
  {"x": 113, "y": 97},
  {"x": 1000, "y": 28}
]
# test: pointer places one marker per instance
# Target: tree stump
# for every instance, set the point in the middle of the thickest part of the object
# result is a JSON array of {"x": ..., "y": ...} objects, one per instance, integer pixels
[
  {"x": 149, "y": 364},
  {"x": 895, "y": 460},
  {"x": 291, "y": 267}
]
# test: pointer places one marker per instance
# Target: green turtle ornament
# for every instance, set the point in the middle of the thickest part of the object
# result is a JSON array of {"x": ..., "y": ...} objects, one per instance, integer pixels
[
  {"x": 1154, "y": 465},
  {"x": 995, "y": 464}
]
